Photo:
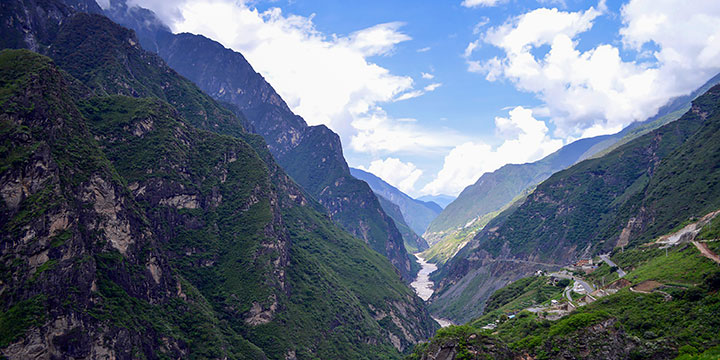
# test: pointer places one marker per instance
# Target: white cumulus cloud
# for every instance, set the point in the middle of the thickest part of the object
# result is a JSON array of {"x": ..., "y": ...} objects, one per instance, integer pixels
[
  {"x": 377, "y": 133},
  {"x": 525, "y": 139},
  {"x": 476, "y": 3},
  {"x": 402, "y": 175},
  {"x": 596, "y": 91},
  {"x": 325, "y": 78}
]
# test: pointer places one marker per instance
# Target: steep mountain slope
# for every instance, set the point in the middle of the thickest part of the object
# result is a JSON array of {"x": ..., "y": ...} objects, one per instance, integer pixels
[
  {"x": 413, "y": 242},
  {"x": 83, "y": 274},
  {"x": 247, "y": 239},
  {"x": 30, "y": 29},
  {"x": 636, "y": 192},
  {"x": 217, "y": 211},
  {"x": 108, "y": 58},
  {"x": 417, "y": 213},
  {"x": 311, "y": 155},
  {"x": 494, "y": 190},
  {"x": 444, "y": 250}
]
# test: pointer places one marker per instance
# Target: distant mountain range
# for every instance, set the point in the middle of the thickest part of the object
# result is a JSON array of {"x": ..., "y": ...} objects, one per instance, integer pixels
[
  {"x": 417, "y": 213},
  {"x": 496, "y": 189},
  {"x": 442, "y": 200}
]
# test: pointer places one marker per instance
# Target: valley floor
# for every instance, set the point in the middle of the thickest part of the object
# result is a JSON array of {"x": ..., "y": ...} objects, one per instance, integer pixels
[{"x": 423, "y": 286}]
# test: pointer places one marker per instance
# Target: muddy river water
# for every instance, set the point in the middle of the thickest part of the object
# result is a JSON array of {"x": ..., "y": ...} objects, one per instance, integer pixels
[{"x": 423, "y": 286}]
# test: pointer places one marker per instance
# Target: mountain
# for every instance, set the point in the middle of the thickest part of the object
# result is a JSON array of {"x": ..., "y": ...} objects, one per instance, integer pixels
[
  {"x": 494, "y": 190},
  {"x": 418, "y": 214},
  {"x": 311, "y": 155},
  {"x": 441, "y": 200},
  {"x": 637, "y": 192},
  {"x": 140, "y": 220},
  {"x": 413, "y": 242},
  {"x": 671, "y": 111}
]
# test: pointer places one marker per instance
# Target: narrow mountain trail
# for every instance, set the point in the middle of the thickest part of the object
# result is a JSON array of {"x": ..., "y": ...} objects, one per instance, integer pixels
[{"x": 706, "y": 252}]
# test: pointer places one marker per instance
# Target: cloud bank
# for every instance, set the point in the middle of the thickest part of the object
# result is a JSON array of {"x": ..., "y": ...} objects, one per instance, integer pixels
[{"x": 596, "y": 91}]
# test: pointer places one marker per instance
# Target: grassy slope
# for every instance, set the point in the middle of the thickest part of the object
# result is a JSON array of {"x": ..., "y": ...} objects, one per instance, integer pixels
[
  {"x": 441, "y": 251},
  {"x": 519, "y": 295}
]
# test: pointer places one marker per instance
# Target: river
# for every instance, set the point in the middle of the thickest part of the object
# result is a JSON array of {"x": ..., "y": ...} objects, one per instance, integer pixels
[{"x": 423, "y": 286}]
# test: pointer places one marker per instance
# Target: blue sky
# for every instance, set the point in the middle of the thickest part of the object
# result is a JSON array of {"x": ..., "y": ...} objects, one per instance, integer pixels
[{"x": 431, "y": 94}]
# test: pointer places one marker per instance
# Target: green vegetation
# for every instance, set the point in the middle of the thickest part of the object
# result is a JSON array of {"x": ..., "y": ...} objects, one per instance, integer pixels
[
  {"x": 519, "y": 295},
  {"x": 683, "y": 318},
  {"x": 524, "y": 292},
  {"x": 20, "y": 317},
  {"x": 222, "y": 223},
  {"x": 468, "y": 343},
  {"x": 232, "y": 236},
  {"x": 683, "y": 266},
  {"x": 192, "y": 322},
  {"x": 689, "y": 352},
  {"x": 413, "y": 243},
  {"x": 710, "y": 231},
  {"x": 450, "y": 242}
]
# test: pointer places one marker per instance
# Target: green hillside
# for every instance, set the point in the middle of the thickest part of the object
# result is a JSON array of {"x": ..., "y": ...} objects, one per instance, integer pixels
[
  {"x": 311, "y": 155},
  {"x": 637, "y": 192},
  {"x": 413, "y": 242},
  {"x": 97, "y": 271},
  {"x": 495, "y": 191},
  {"x": 681, "y": 318}
]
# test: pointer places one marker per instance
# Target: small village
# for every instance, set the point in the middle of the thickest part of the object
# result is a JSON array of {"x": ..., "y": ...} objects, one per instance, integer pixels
[{"x": 579, "y": 292}]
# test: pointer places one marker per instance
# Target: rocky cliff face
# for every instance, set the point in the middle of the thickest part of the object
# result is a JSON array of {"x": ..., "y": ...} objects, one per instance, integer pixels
[
  {"x": 30, "y": 24},
  {"x": 311, "y": 155},
  {"x": 128, "y": 231},
  {"x": 83, "y": 273}
]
